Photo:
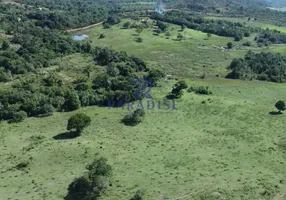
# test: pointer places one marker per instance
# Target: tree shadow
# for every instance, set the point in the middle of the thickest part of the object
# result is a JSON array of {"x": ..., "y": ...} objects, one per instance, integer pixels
[
  {"x": 275, "y": 113},
  {"x": 66, "y": 136}
]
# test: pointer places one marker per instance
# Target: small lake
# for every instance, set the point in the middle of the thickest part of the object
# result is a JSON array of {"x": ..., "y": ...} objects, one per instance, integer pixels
[{"x": 79, "y": 37}]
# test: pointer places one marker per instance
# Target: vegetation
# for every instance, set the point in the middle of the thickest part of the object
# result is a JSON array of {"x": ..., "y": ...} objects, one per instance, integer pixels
[
  {"x": 177, "y": 90},
  {"x": 225, "y": 142},
  {"x": 91, "y": 185},
  {"x": 281, "y": 106},
  {"x": 78, "y": 122},
  {"x": 18, "y": 117},
  {"x": 200, "y": 90},
  {"x": 230, "y": 45},
  {"x": 138, "y": 195},
  {"x": 263, "y": 66},
  {"x": 221, "y": 28},
  {"x": 134, "y": 118}
]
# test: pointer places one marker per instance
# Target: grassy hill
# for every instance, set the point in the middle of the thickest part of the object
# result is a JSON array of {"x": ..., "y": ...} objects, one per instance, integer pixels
[{"x": 227, "y": 145}]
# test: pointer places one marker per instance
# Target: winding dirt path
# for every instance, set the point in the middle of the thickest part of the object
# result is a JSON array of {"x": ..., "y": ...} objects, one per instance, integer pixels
[{"x": 85, "y": 27}]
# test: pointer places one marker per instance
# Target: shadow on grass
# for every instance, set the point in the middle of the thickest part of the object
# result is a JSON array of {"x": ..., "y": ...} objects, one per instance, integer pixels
[
  {"x": 66, "y": 136},
  {"x": 177, "y": 40},
  {"x": 275, "y": 113}
]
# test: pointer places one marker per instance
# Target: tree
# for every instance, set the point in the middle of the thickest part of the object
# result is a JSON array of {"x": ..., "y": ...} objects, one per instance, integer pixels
[
  {"x": 183, "y": 27},
  {"x": 209, "y": 35},
  {"x": 230, "y": 45},
  {"x": 112, "y": 70},
  {"x": 29, "y": 106},
  {"x": 86, "y": 47},
  {"x": 132, "y": 119},
  {"x": 99, "y": 167},
  {"x": 5, "y": 45},
  {"x": 139, "y": 30},
  {"x": 238, "y": 38},
  {"x": 93, "y": 183},
  {"x": 139, "y": 40},
  {"x": 154, "y": 76},
  {"x": 78, "y": 122},
  {"x": 177, "y": 90},
  {"x": 101, "y": 36},
  {"x": 126, "y": 25},
  {"x": 72, "y": 101},
  {"x": 280, "y": 105}
]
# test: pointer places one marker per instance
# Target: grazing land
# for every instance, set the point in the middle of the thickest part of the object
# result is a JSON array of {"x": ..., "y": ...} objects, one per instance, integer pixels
[{"x": 229, "y": 144}]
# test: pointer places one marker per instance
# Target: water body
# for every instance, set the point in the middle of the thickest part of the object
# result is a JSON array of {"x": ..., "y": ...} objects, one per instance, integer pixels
[{"x": 79, "y": 37}]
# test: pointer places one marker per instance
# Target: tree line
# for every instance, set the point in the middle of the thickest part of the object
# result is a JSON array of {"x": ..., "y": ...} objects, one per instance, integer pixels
[
  {"x": 217, "y": 27},
  {"x": 262, "y": 66}
]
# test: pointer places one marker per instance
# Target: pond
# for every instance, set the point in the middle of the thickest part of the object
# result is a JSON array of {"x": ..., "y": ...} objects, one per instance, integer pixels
[{"x": 79, "y": 37}]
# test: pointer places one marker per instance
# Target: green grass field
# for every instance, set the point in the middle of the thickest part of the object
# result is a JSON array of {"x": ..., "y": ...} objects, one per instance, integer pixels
[
  {"x": 227, "y": 146},
  {"x": 194, "y": 56},
  {"x": 221, "y": 146}
]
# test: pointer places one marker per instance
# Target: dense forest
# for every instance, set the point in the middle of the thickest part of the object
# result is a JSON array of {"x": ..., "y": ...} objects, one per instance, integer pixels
[
  {"x": 42, "y": 96},
  {"x": 263, "y": 66}
]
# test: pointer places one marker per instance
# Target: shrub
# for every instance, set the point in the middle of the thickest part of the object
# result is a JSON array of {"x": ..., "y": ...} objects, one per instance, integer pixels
[
  {"x": 78, "y": 122},
  {"x": 132, "y": 119},
  {"x": 200, "y": 90},
  {"x": 92, "y": 184},
  {"x": 154, "y": 76},
  {"x": 101, "y": 36},
  {"x": 45, "y": 110},
  {"x": 22, "y": 165},
  {"x": 138, "y": 195},
  {"x": 19, "y": 117},
  {"x": 139, "y": 39},
  {"x": 280, "y": 105},
  {"x": 246, "y": 34},
  {"x": 247, "y": 44},
  {"x": 99, "y": 167},
  {"x": 237, "y": 38},
  {"x": 230, "y": 45},
  {"x": 168, "y": 34},
  {"x": 126, "y": 25},
  {"x": 177, "y": 90}
]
